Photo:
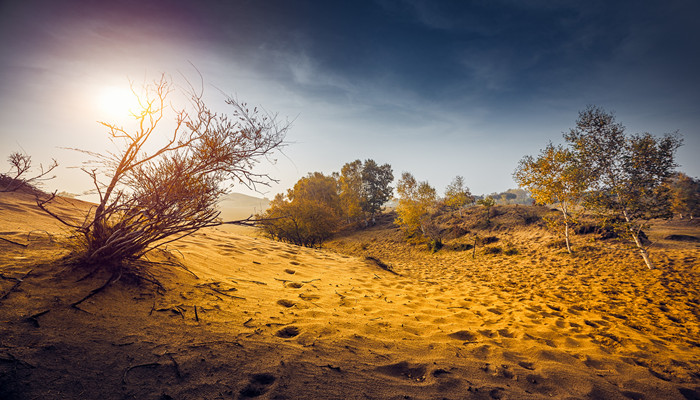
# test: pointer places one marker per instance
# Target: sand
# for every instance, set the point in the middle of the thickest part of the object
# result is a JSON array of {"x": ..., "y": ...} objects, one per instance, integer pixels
[{"x": 255, "y": 318}]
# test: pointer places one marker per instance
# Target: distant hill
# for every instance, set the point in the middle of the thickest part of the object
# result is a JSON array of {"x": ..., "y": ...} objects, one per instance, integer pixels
[{"x": 235, "y": 206}]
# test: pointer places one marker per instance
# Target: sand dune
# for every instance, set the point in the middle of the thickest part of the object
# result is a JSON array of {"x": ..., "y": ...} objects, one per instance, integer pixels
[{"x": 259, "y": 319}]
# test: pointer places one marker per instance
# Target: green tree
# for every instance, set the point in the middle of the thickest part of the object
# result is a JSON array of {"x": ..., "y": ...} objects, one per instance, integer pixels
[
  {"x": 457, "y": 195},
  {"x": 350, "y": 190},
  {"x": 309, "y": 215},
  {"x": 416, "y": 199},
  {"x": 627, "y": 172},
  {"x": 364, "y": 188},
  {"x": 554, "y": 178},
  {"x": 375, "y": 186}
]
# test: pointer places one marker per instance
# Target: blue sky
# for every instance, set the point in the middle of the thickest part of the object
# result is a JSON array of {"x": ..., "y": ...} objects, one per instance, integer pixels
[{"x": 436, "y": 88}]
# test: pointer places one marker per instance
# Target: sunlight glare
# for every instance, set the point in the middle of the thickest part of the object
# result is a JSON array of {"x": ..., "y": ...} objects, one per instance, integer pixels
[{"x": 117, "y": 102}]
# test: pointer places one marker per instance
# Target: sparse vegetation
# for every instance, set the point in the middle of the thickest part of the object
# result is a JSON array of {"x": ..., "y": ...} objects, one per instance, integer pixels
[
  {"x": 555, "y": 178},
  {"x": 457, "y": 195},
  {"x": 154, "y": 195},
  {"x": 19, "y": 176},
  {"x": 319, "y": 206},
  {"x": 493, "y": 250},
  {"x": 308, "y": 215},
  {"x": 626, "y": 173},
  {"x": 416, "y": 200},
  {"x": 487, "y": 203},
  {"x": 624, "y": 180}
]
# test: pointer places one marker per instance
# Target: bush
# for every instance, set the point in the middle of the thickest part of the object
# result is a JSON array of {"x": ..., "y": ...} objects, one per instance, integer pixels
[
  {"x": 489, "y": 240},
  {"x": 434, "y": 245},
  {"x": 511, "y": 251},
  {"x": 156, "y": 188},
  {"x": 493, "y": 250},
  {"x": 462, "y": 247}
]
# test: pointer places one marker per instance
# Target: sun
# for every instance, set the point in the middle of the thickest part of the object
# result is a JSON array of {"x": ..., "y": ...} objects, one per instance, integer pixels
[{"x": 117, "y": 102}]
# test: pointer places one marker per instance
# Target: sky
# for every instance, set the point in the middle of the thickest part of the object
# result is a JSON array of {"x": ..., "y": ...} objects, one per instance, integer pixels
[{"x": 435, "y": 88}]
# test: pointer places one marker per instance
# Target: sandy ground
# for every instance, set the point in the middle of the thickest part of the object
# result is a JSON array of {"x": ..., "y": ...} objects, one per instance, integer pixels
[{"x": 259, "y": 319}]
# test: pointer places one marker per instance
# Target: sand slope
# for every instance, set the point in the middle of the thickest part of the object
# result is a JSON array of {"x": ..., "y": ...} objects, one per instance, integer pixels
[{"x": 267, "y": 320}]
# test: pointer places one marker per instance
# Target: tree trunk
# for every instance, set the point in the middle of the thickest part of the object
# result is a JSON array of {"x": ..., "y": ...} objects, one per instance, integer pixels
[
  {"x": 642, "y": 251},
  {"x": 566, "y": 229},
  {"x": 635, "y": 236}
]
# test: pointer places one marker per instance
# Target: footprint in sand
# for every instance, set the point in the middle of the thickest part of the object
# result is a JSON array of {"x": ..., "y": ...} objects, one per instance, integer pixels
[
  {"x": 259, "y": 385},
  {"x": 487, "y": 333},
  {"x": 286, "y": 303},
  {"x": 290, "y": 271},
  {"x": 465, "y": 336},
  {"x": 527, "y": 365},
  {"x": 288, "y": 332},
  {"x": 506, "y": 333},
  {"x": 405, "y": 370},
  {"x": 295, "y": 285}
]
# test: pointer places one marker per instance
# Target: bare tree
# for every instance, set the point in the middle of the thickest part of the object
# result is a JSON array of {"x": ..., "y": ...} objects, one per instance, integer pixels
[
  {"x": 20, "y": 166},
  {"x": 151, "y": 197}
]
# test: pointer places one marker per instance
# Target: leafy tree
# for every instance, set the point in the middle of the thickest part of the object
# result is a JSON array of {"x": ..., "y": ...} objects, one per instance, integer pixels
[
  {"x": 415, "y": 201},
  {"x": 554, "y": 178},
  {"x": 375, "y": 186},
  {"x": 685, "y": 195},
  {"x": 158, "y": 188},
  {"x": 364, "y": 188},
  {"x": 310, "y": 214},
  {"x": 20, "y": 166},
  {"x": 350, "y": 189},
  {"x": 457, "y": 195},
  {"x": 627, "y": 172},
  {"x": 487, "y": 202}
]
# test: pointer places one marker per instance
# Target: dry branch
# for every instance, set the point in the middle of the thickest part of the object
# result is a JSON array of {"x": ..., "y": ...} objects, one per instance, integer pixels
[
  {"x": 150, "y": 199},
  {"x": 381, "y": 264},
  {"x": 16, "y": 285}
]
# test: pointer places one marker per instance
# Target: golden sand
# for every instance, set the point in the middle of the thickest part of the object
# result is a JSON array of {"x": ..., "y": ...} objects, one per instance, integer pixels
[{"x": 260, "y": 319}]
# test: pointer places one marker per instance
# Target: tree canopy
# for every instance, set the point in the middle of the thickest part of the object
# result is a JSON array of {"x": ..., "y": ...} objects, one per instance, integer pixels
[
  {"x": 457, "y": 194},
  {"x": 310, "y": 213},
  {"x": 415, "y": 201},
  {"x": 554, "y": 177},
  {"x": 364, "y": 188},
  {"x": 685, "y": 195},
  {"x": 626, "y": 172}
]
